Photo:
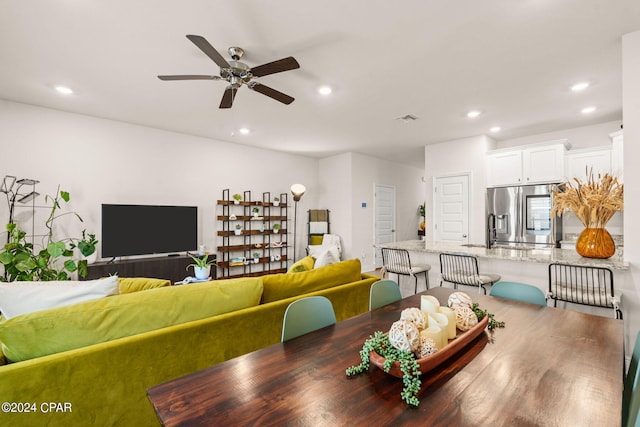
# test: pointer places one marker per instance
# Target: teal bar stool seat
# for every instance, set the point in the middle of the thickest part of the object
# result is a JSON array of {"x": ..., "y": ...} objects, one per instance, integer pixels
[
  {"x": 305, "y": 315},
  {"x": 383, "y": 292},
  {"x": 518, "y": 292}
]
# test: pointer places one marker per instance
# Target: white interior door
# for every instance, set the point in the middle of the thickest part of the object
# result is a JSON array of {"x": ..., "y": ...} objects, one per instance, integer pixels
[
  {"x": 451, "y": 208},
  {"x": 385, "y": 217}
]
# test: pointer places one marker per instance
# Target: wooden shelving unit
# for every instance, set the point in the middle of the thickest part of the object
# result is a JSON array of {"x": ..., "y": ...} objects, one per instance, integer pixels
[{"x": 235, "y": 254}]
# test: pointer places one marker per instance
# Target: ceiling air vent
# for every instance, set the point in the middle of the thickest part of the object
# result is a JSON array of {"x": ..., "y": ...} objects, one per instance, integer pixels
[{"x": 407, "y": 118}]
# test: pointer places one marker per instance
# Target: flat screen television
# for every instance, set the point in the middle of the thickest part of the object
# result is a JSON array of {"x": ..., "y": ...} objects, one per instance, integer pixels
[{"x": 148, "y": 229}]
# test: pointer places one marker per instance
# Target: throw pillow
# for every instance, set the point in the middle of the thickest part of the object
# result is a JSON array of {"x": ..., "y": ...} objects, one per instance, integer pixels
[
  {"x": 135, "y": 284},
  {"x": 304, "y": 264},
  {"x": 331, "y": 255},
  {"x": 18, "y": 298}
]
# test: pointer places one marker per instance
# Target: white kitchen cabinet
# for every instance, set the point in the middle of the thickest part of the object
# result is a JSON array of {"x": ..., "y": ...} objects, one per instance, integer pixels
[
  {"x": 617, "y": 164},
  {"x": 543, "y": 164},
  {"x": 504, "y": 168},
  {"x": 597, "y": 160},
  {"x": 536, "y": 164}
]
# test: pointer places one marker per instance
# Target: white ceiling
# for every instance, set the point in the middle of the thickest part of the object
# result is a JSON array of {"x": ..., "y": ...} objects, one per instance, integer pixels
[{"x": 513, "y": 59}]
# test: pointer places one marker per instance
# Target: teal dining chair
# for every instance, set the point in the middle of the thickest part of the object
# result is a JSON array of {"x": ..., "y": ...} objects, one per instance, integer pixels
[
  {"x": 383, "y": 292},
  {"x": 305, "y": 315},
  {"x": 630, "y": 393},
  {"x": 518, "y": 292}
]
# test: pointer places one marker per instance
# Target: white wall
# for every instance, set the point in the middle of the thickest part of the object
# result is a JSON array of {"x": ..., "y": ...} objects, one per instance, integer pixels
[
  {"x": 460, "y": 156},
  {"x": 348, "y": 181},
  {"x": 103, "y": 161},
  {"x": 631, "y": 117}
]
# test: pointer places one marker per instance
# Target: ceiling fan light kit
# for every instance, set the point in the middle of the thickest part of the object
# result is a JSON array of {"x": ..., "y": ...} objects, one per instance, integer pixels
[{"x": 237, "y": 73}]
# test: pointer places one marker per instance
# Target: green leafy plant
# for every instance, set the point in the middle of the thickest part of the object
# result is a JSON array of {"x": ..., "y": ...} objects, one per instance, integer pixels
[
  {"x": 379, "y": 342},
  {"x": 255, "y": 210},
  {"x": 238, "y": 227},
  {"x": 256, "y": 255},
  {"x": 276, "y": 199},
  {"x": 201, "y": 262},
  {"x": 480, "y": 313},
  {"x": 237, "y": 197},
  {"x": 276, "y": 227},
  {"x": 422, "y": 210},
  {"x": 54, "y": 262}
]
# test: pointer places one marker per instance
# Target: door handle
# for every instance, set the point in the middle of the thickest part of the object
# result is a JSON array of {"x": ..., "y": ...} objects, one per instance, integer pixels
[
  {"x": 393, "y": 230},
  {"x": 464, "y": 235}
]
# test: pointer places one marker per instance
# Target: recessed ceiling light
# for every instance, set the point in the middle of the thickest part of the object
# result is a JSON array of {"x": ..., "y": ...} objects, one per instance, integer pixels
[
  {"x": 495, "y": 129},
  {"x": 325, "y": 90},
  {"x": 473, "y": 114},
  {"x": 63, "y": 90},
  {"x": 588, "y": 110},
  {"x": 244, "y": 131},
  {"x": 579, "y": 86}
]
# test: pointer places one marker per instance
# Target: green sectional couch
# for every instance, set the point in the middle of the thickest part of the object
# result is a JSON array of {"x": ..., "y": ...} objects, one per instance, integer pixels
[{"x": 149, "y": 337}]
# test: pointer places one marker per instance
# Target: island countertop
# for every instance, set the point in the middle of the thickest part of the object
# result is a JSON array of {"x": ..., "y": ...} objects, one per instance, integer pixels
[{"x": 541, "y": 255}]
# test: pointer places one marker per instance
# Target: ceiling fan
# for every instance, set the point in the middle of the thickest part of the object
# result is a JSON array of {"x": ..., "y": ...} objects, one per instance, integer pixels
[{"x": 238, "y": 73}]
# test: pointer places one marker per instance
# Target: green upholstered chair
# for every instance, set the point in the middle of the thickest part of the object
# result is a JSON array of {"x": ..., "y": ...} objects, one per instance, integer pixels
[
  {"x": 305, "y": 315},
  {"x": 630, "y": 394},
  {"x": 519, "y": 292},
  {"x": 383, "y": 292}
]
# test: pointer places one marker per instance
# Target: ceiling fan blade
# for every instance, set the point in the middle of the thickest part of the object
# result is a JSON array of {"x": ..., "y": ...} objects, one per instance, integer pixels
[
  {"x": 284, "y": 64},
  {"x": 209, "y": 50},
  {"x": 271, "y": 93},
  {"x": 228, "y": 96},
  {"x": 189, "y": 77}
]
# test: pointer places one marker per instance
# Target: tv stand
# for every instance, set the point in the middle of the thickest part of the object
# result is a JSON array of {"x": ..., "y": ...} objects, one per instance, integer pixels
[{"x": 173, "y": 268}]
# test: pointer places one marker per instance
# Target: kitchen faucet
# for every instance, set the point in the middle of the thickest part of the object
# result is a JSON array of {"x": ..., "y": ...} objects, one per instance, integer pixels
[{"x": 492, "y": 236}]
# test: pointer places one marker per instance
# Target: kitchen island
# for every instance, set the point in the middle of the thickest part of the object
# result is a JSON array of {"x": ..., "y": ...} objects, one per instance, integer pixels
[
  {"x": 524, "y": 265},
  {"x": 521, "y": 254}
]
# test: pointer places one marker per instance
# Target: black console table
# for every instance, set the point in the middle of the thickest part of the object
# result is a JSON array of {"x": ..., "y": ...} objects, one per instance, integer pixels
[{"x": 173, "y": 268}]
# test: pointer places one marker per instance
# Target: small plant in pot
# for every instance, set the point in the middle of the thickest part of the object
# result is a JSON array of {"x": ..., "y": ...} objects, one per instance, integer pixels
[
  {"x": 276, "y": 201},
  {"x": 236, "y": 199},
  {"x": 276, "y": 228},
  {"x": 256, "y": 257},
  {"x": 201, "y": 267},
  {"x": 255, "y": 211},
  {"x": 238, "y": 230}
]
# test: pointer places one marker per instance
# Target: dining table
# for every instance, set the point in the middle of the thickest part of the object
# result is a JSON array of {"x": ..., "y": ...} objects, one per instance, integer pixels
[{"x": 546, "y": 367}]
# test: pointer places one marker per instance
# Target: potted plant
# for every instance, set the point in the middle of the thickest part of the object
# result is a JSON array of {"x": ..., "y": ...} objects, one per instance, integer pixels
[
  {"x": 238, "y": 230},
  {"x": 201, "y": 267},
  {"x": 276, "y": 201},
  {"x": 275, "y": 228},
  {"x": 256, "y": 257},
  {"x": 22, "y": 262},
  {"x": 422, "y": 212},
  {"x": 236, "y": 199},
  {"x": 255, "y": 211}
]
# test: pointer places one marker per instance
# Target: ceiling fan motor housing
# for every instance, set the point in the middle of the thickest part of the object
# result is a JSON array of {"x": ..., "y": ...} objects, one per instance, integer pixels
[{"x": 238, "y": 69}]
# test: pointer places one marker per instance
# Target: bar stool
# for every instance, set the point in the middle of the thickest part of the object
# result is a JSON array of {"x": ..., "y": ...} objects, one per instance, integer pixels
[
  {"x": 397, "y": 261},
  {"x": 461, "y": 269},
  {"x": 583, "y": 285}
]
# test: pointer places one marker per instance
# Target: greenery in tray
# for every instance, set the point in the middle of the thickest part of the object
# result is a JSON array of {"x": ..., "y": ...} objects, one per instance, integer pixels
[{"x": 379, "y": 342}]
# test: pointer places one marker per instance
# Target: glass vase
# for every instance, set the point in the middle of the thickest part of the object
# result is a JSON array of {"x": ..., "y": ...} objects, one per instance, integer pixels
[{"x": 595, "y": 243}]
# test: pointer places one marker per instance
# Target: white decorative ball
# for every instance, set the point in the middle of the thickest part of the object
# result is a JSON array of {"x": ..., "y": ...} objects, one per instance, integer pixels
[
  {"x": 465, "y": 318},
  {"x": 415, "y": 316},
  {"x": 427, "y": 347},
  {"x": 459, "y": 299},
  {"x": 404, "y": 336}
]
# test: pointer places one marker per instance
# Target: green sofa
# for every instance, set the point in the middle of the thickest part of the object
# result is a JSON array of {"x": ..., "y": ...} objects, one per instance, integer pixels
[{"x": 104, "y": 384}]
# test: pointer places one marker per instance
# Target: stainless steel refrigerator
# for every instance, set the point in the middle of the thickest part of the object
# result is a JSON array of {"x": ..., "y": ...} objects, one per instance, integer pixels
[{"x": 522, "y": 216}]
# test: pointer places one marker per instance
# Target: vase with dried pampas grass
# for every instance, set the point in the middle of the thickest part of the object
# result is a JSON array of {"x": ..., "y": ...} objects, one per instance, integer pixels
[{"x": 593, "y": 202}]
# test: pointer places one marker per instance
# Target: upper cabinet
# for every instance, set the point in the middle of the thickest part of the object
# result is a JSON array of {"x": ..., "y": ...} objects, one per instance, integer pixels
[
  {"x": 581, "y": 162},
  {"x": 536, "y": 164},
  {"x": 617, "y": 164}
]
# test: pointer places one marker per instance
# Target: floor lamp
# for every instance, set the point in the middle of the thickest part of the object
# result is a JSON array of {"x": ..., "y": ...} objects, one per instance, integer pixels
[{"x": 297, "y": 190}]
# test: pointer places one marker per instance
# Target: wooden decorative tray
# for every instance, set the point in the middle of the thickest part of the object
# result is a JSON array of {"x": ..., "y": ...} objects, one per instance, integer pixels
[{"x": 431, "y": 362}]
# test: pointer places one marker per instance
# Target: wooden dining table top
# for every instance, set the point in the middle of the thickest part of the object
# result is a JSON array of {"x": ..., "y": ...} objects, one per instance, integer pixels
[{"x": 546, "y": 367}]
